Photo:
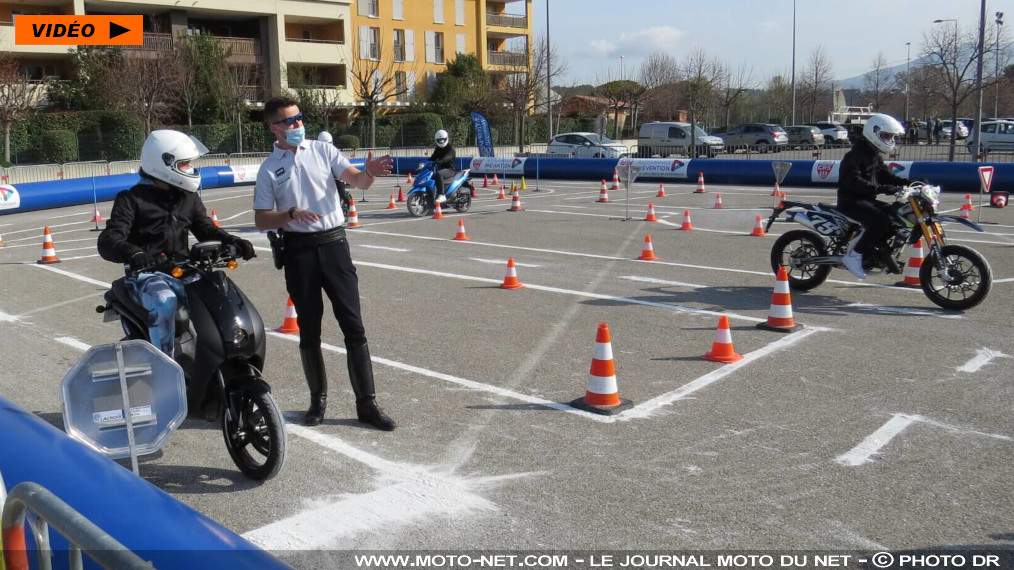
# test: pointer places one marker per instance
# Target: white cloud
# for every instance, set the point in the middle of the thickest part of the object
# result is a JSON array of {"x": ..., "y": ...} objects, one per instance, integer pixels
[
  {"x": 768, "y": 27},
  {"x": 601, "y": 48},
  {"x": 656, "y": 38}
]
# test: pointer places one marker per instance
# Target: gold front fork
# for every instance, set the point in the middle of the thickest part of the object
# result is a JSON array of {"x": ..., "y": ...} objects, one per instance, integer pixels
[{"x": 933, "y": 233}]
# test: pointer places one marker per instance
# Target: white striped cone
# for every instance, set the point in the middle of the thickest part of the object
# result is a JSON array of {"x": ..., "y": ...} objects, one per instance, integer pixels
[
  {"x": 602, "y": 395},
  {"x": 967, "y": 206},
  {"x": 780, "y": 315},
  {"x": 1, "y": 240},
  {"x": 214, "y": 219},
  {"x": 97, "y": 217},
  {"x": 515, "y": 202},
  {"x": 291, "y": 323},
  {"x": 496, "y": 182},
  {"x": 603, "y": 193},
  {"x": 687, "y": 224},
  {"x": 700, "y": 184},
  {"x": 353, "y": 215},
  {"x": 722, "y": 349},
  {"x": 915, "y": 260},
  {"x": 48, "y": 249},
  {"x": 616, "y": 180},
  {"x": 661, "y": 190},
  {"x": 718, "y": 202}
]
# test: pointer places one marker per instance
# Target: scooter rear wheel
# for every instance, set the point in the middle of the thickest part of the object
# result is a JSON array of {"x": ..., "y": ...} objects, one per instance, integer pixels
[{"x": 256, "y": 439}]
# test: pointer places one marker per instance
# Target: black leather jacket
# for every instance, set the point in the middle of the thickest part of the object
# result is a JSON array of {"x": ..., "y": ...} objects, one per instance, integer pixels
[
  {"x": 155, "y": 220},
  {"x": 863, "y": 174},
  {"x": 444, "y": 157}
]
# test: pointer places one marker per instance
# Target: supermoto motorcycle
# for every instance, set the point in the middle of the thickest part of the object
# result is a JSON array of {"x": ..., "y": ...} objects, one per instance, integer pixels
[
  {"x": 458, "y": 192},
  {"x": 952, "y": 276},
  {"x": 220, "y": 345}
]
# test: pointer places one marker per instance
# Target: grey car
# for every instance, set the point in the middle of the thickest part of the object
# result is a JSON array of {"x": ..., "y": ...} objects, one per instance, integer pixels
[
  {"x": 804, "y": 136},
  {"x": 834, "y": 133},
  {"x": 761, "y": 137}
]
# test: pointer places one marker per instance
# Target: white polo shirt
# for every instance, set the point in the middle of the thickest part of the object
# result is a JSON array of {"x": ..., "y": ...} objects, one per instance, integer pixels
[{"x": 304, "y": 179}]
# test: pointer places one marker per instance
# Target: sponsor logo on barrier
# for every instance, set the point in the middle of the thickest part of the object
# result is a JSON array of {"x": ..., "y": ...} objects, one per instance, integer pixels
[
  {"x": 824, "y": 169},
  {"x": 901, "y": 168},
  {"x": 9, "y": 198},
  {"x": 244, "y": 173},
  {"x": 656, "y": 167},
  {"x": 490, "y": 165}
]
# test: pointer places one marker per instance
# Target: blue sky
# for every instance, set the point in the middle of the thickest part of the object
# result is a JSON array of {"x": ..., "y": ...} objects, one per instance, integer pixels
[{"x": 593, "y": 34}]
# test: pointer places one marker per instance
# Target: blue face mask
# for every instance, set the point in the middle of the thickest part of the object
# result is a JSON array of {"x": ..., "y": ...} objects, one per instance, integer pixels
[{"x": 295, "y": 136}]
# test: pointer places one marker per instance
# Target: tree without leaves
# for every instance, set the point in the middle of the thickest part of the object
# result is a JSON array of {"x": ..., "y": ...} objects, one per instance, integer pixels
[
  {"x": 816, "y": 81},
  {"x": 733, "y": 88},
  {"x": 373, "y": 83},
  {"x": 316, "y": 99},
  {"x": 199, "y": 60},
  {"x": 521, "y": 90},
  {"x": 778, "y": 97},
  {"x": 144, "y": 86},
  {"x": 240, "y": 83},
  {"x": 19, "y": 97},
  {"x": 659, "y": 73},
  {"x": 877, "y": 80},
  {"x": 700, "y": 75}
]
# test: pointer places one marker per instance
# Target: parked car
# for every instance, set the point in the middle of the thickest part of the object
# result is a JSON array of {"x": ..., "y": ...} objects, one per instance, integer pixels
[
  {"x": 945, "y": 130},
  {"x": 586, "y": 145},
  {"x": 665, "y": 138},
  {"x": 834, "y": 133},
  {"x": 996, "y": 136},
  {"x": 758, "y": 136},
  {"x": 804, "y": 136}
]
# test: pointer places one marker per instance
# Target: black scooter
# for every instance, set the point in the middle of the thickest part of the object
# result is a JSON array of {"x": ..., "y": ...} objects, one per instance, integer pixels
[{"x": 220, "y": 345}]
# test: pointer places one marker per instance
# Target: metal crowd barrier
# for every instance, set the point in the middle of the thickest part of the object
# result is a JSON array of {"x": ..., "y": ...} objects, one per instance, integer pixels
[
  {"x": 247, "y": 158},
  {"x": 124, "y": 166},
  {"x": 50, "y": 511},
  {"x": 35, "y": 173},
  {"x": 3, "y": 175},
  {"x": 212, "y": 160},
  {"x": 85, "y": 169}
]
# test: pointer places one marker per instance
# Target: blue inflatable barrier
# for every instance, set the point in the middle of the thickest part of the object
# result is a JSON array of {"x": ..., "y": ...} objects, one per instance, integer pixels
[{"x": 143, "y": 518}]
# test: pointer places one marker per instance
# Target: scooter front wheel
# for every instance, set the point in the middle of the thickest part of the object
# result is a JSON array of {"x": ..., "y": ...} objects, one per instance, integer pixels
[
  {"x": 416, "y": 204},
  {"x": 256, "y": 438}
]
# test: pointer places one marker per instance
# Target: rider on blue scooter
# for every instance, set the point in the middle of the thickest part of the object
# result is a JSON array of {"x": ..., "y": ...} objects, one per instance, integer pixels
[{"x": 443, "y": 159}]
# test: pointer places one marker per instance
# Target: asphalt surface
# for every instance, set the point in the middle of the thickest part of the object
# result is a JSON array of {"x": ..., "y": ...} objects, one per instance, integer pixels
[{"x": 884, "y": 423}]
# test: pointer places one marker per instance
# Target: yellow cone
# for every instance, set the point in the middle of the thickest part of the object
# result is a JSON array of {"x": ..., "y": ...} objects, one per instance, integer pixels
[{"x": 523, "y": 185}]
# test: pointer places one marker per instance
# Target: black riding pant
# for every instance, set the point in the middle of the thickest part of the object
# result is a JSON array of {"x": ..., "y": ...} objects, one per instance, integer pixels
[
  {"x": 872, "y": 215},
  {"x": 440, "y": 177},
  {"x": 327, "y": 267}
]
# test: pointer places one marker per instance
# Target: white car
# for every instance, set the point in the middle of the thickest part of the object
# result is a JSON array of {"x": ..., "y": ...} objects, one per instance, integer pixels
[
  {"x": 586, "y": 145},
  {"x": 996, "y": 136}
]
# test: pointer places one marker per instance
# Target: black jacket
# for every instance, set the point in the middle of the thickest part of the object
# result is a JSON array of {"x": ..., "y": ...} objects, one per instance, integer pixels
[
  {"x": 863, "y": 174},
  {"x": 155, "y": 220},
  {"x": 444, "y": 157}
]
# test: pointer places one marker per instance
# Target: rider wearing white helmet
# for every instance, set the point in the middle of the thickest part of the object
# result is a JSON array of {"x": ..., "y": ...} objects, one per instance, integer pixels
[
  {"x": 862, "y": 176},
  {"x": 325, "y": 136},
  {"x": 444, "y": 161}
]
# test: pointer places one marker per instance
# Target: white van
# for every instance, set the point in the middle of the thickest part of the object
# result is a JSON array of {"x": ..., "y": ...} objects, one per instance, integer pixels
[
  {"x": 996, "y": 136},
  {"x": 665, "y": 138}
]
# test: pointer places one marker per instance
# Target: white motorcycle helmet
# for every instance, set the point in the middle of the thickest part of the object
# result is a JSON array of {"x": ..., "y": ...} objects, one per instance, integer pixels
[
  {"x": 882, "y": 130},
  {"x": 162, "y": 153},
  {"x": 441, "y": 138},
  {"x": 325, "y": 136}
]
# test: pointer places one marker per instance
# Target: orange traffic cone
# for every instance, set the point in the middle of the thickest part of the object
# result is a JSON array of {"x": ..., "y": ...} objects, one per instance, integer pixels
[
  {"x": 515, "y": 203},
  {"x": 97, "y": 217},
  {"x": 758, "y": 228},
  {"x": 391, "y": 205},
  {"x": 780, "y": 315},
  {"x": 510, "y": 281},
  {"x": 967, "y": 206},
  {"x": 603, "y": 194},
  {"x": 401, "y": 194},
  {"x": 496, "y": 181},
  {"x": 291, "y": 323},
  {"x": 485, "y": 181},
  {"x": 474, "y": 194},
  {"x": 501, "y": 195},
  {"x": 648, "y": 251},
  {"x": 700, "y": 184},
  {"x": 616, "y": 180},
  {"x": 602, "y": 395},
  {"x": 461, "y": 235},
  {"x": 438, "y": 213},
  {"x": 651, "y": 213},
  {"x": 1, "y": 240},
  {"x": 408, "y": 179},
  {"x": 214, "y": 219},
  {"x": 48, "y": 249},
  {"x": 777, "y": 192},
  {"x": 722, "y": 349},
  {"x": 661, "y": 190},
  {"x": 687, "y": 225},
  {"x": 353, "y": 215},
  {"x": 718, "y": 202},
  {"x": 912, "y": 267}
]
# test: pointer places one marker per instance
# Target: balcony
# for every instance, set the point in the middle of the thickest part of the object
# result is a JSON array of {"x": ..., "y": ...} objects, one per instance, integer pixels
[
  {"x": 507, "y": 58},
  {"x": 507, "y": 20},
  {"x": 153, "y": 42},
  {"x": 7, "y": 44}
]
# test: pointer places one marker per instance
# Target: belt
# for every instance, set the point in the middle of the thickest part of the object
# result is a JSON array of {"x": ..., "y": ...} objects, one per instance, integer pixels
[{"x": 300, "y": 240}]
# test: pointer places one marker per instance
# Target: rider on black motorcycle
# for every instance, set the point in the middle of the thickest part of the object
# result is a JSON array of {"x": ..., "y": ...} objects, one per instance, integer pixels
[
  {"x": 153, "y": 219},
  {"x": 862, "y": 176},
  {"x": 443, "y": 158}
]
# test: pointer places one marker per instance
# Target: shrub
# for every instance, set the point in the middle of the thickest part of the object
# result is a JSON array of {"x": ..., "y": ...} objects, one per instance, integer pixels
[
  {"x": 59, "y": 146},
  {"x": 347, "y": 141}
]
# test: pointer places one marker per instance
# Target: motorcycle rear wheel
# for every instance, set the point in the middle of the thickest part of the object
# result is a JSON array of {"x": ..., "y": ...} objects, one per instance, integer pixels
[
  {"x": 464, "y": 201},
  {"x": 256, "y": 439},
  {"x": 416, "y": 204},
  {"x": 971, "y": 278},
  {"x": 796, "y": 245}
]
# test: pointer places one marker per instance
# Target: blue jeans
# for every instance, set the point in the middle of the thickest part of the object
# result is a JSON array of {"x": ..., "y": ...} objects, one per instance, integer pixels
[{"x": 160, "y": 294}]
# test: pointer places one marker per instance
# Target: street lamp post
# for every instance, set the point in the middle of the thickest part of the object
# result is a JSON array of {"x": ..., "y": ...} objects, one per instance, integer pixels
[
  {"x": 954, "y": 117},
  {"x": 996, "y": 72},
  {"x": 908, "y": 78},
  {"x": 549, "y": 78},
  {"x": 793, "y": 62}
]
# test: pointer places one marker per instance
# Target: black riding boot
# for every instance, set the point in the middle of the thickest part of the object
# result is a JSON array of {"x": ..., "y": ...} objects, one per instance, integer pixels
[
  {"x": 890, "y": 264},
  {"x": 361, "y": 374},
  {"x": 316, "y": 379}
]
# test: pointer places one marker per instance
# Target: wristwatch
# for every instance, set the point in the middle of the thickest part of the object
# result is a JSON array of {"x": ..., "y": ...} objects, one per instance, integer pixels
[{"x": 292, "y": 213}]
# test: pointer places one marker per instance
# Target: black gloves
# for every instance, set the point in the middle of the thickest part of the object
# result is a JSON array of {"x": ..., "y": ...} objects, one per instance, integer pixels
[
  {"x": 141, "y": 260},
  {"x": 244, "y": 248}
]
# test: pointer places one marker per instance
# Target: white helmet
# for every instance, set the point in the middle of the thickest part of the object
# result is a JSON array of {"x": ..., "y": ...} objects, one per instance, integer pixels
[
  {"x": 881, "y": 131},
  {"x": 442, "y": 139},
  {"x": 164, "y": 150},
  {"x": 325, "y": 136}
]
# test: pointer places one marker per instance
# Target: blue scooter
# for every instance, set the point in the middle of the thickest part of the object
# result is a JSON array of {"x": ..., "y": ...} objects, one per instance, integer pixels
[{"x": 458, "y": 192}]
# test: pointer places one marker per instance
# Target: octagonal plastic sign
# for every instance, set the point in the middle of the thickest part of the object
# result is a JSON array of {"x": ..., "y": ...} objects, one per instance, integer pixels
[{"x": 94, "y": 403}]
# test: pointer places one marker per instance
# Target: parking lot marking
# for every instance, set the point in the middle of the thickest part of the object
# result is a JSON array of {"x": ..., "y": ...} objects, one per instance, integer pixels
[
  {"x": 662, "y": 282},
  {"x": 650, "y": 407},
  {"x": 68, "y": 274},
  {"x": 1008, "y": 280},
  {"x": 502, "y": 262},
  {"x": 867, "y": 448},
  {"x": 398, "y": 249},
  {"x": 983, "y": 356},
  {"x": 905, "y": 311},
  {"x": 73, "y": 343},
  {"x": 39, "y": 229},
  {"x": 5, "y": 318}
]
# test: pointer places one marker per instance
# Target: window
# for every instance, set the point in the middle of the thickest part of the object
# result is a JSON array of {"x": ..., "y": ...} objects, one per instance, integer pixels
[
  {"x": 306, "y": 34},
  {"x": 676, "y": 133},
  {"x": 459, "y": 43},
  {"x": 399, "y": 45},
  {"x": 397, "y": 10},
  {"x": 459, "y": 12},
  {"x": 401, "y": 86},
  {"x": 369, "y": 43},
  {"x": 989, "y": 128},
  {"x": 372, "y": 8},
  {"x": 438, "y": 47},
  {"x": 438, "y": 11}
]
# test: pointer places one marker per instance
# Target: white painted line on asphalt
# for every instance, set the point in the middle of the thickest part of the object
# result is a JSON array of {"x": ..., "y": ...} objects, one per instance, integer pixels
[
  {"x": 64, "y": 250},
  {"x": 905, "y": 310},
  {"x": 78, "y": 256},
  {"x": 73, "y": 343},
  {"x": 983, "y": 356},
  {"x": 867, "y": 448},
  {"x": 1008, "y": 280},
  {"x": 243, "y": 213},
  {"x": 40, "y": 229},
  {"x": 962, "y": 430},
  {"x": 398, "y": 249},
  {"x": 68, "y": 274},
  {"x": 71, "y": 216},
  {"x": 662, "y": 282},
  {"x": 37, "y": 242},
  {"x": 502, "y": 262},
  {"x": 650, "y": 407},
  {"x": 5, "y": 318}
]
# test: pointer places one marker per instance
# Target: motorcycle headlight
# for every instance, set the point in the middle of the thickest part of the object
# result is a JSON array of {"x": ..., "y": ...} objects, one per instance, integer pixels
[{"x": 239, "y": 337}]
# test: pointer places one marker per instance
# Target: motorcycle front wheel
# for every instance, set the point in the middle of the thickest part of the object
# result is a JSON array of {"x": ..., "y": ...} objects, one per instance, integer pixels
[
  {"x": 792, "y": 250},
  {"x": 416, "y": 204},
  {"x": 966, "y": 282},
  {"x": 256, "y": 439}
]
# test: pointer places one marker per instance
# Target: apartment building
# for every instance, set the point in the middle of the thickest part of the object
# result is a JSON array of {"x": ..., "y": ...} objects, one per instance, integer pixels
[{"x": 318, "y": 39}]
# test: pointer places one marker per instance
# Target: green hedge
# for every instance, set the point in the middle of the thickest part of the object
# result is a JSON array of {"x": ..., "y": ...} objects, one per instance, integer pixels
[
  {"x": 347, "y": 141},
  {"x": 59, "y": 146}
]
